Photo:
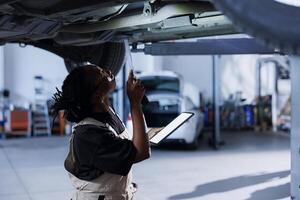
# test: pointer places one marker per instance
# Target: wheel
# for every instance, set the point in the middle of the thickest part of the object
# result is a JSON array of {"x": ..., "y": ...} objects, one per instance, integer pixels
[
  {"x": 272, "y": 22},
  {"x": 109, "y": 55}
]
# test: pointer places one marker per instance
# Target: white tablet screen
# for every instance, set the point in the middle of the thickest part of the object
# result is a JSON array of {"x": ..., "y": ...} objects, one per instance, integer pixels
[{"x": 172, "y": 126}]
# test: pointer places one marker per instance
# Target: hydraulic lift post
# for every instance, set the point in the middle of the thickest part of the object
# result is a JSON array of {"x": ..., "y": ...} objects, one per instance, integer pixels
[
  {"x": 295, "y": 128},
  {"x": 216, "y": 136}
]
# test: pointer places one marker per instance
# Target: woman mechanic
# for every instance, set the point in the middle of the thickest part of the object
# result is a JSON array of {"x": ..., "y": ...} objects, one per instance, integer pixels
[{"x": 101, "y": 155}]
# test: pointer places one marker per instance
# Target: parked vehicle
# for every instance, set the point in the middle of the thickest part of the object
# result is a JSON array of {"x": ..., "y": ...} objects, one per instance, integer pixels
[{"x": 168, "y": 96}]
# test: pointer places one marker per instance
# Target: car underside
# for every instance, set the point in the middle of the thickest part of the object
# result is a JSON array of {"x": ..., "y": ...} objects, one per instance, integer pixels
[
  {"x": 81, "y": 23},
  {"x": 93, "y": 31}
]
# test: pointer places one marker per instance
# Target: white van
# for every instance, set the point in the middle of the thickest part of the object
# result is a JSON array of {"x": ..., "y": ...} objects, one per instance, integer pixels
[{"x": 168, "y": 96}]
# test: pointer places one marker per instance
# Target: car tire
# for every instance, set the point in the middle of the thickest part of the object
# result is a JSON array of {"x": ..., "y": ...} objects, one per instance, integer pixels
[
  {"x": 273, "y": 23},
  {"x": 110, "y": 55}
]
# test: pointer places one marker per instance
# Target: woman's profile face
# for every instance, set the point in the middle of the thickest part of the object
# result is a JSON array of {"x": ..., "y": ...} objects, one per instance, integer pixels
[{"x": 106, "y": 80}]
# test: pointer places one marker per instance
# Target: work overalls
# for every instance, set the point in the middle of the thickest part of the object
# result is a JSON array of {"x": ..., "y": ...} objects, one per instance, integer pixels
[{"x": 107, "y": 186}]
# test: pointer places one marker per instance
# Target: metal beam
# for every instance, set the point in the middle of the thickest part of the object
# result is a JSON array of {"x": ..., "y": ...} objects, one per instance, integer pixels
[{"x": 208, "y": 47}]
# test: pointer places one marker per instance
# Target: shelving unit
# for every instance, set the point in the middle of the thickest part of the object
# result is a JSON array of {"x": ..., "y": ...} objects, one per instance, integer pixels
[{"x": 40, "y": 114}]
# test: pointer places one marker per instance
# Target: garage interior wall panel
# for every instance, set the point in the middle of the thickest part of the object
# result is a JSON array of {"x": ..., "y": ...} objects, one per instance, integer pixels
[
  {"x": 238, "y": 73},
  {"x": 196, "y": 70},
  {"x": 22, "y": 64},
  {"x": 146, "y": 63}
]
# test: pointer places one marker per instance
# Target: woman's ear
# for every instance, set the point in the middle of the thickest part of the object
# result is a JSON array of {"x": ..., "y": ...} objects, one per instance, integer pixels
[{"x": 98, "y": 97}]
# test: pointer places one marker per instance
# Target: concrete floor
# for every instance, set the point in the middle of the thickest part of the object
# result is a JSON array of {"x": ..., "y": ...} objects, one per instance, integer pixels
[{"x": 252, "y": 166}]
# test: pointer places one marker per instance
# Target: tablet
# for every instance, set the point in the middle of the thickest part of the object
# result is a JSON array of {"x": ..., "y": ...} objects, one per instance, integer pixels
[{"x": 156, "y": 135}]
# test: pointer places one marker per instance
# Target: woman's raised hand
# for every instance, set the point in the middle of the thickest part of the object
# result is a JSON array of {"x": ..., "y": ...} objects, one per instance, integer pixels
[{"x": 135, "y": 89}]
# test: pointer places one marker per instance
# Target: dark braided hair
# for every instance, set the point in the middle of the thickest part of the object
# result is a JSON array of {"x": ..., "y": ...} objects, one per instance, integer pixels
[{"x": 75, "y": 97}]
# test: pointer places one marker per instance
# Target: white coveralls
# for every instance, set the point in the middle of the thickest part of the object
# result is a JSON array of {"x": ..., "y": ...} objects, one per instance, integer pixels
[{"x": 108, "y": 186}]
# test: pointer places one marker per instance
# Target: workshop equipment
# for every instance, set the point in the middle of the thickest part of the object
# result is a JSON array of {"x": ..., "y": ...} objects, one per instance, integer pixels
[
  {"x": 40, "y": 114},
  {"x": 20, "y": 122}
]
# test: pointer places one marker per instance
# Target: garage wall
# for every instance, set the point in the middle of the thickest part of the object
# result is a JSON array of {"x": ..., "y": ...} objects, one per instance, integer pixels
[
  {"x": 146, "y": 63},
  {"x": 196, "y": 70},
  {"x": 238, "y": 74},
  {"x": 22, "y": 64}
]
